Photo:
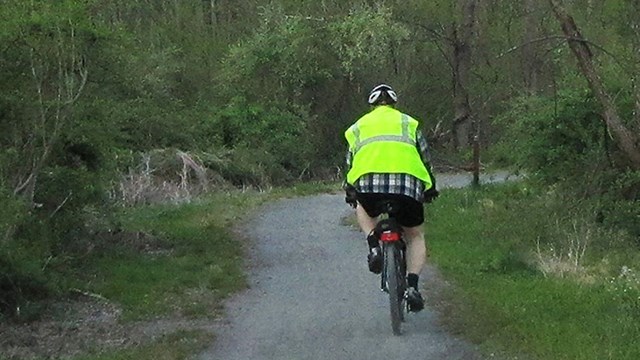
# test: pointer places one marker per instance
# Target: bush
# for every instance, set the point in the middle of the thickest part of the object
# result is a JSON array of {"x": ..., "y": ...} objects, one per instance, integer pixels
[
  {"x": 37, "y": 240},
  {"x": 22, "y": 284},
  {"x": 555, "y": 139},
  {"x": 12, "y": 212},
  {"x": 619, "y": 206},
  {"x": 562, "y": 143},
  {"x": 265, "y": 140},
  {"x": 22, "y": 280}
]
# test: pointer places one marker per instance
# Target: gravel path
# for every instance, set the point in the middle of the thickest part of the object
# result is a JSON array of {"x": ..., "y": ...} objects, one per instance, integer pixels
[{"x": 311, "y": 295}]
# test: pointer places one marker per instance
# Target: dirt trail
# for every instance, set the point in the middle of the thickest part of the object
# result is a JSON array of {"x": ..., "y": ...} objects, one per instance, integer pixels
[{"x": 312, "y": 297}]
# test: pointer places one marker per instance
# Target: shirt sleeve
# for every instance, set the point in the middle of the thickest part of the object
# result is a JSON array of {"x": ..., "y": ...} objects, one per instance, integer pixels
[
  {"x": 423, "y": 149},
  {"x": 348, "y": 162},
  {"x": 425, "y": 155}
]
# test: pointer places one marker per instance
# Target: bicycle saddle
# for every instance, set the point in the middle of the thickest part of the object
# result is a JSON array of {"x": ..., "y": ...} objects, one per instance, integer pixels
[{"x": 390, "y": 207}]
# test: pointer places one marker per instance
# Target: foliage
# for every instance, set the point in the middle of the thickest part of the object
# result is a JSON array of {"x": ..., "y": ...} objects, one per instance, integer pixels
[
  {"x": 44, "y": 182},
  {"x": 555, "y": 137},
  {"x": 12, "y": 211},
  {"x": 366, "y": 39},
  {"x": 562, "y": 142},
  {"x": 22, "y": 282},
  {"x": 620, "y": 202},
  {"x": 266, "y": 78},
  {"x": 625, "y": 288}
]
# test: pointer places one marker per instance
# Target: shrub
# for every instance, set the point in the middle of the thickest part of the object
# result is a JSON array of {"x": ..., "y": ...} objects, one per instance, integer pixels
[
  {"x": 555, "y": 139},
  {"x": 562, "y": 143},
  {"x": 22, "y": 280},
  {"x": 21, "y": 285}
]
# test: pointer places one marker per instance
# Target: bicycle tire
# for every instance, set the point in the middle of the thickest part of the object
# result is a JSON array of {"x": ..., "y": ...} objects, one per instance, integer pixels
[
  {"x": 402, "y": 281},
  {"x": 394, "y": 286}
]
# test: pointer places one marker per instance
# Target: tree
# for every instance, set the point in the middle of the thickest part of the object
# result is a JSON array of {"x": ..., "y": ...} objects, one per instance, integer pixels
[
  {"x": 626, "y": 139},
  {"x": 50, "y": 45},
  {"x": 531, "y": 62},
  {"x": 462, "y": 35}
]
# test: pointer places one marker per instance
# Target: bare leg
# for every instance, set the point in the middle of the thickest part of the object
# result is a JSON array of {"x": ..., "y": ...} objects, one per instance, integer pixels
[
  {"x": 366, "y": 222},
  {"x": 416, "y": 249}
]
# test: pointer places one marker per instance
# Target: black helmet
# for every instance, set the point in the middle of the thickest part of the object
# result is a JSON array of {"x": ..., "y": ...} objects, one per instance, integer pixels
[{"x": 375, "y": 96}]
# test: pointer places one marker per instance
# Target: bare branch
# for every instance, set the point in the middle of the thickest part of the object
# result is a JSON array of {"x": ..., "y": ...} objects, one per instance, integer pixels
[
  {"x": 61, "y": 205},
  {"x": 517, "y": 47},
  {"x": 22, "y": 186},
  {"x": 636, "y": 96},
  {"x": 8, "y": 234},
  {"x": 38, "y": 84},
  {"x": 436, "y": 33},
  {"x": 84, "y": 74},
  {"x": 564, "y": 38},
  {"x": 89, "y": 294},
  {"x": 303, "y": 17}
]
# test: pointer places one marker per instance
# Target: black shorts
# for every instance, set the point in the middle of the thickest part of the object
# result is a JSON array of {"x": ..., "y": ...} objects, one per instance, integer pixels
[{"x": 410, "y": 213}]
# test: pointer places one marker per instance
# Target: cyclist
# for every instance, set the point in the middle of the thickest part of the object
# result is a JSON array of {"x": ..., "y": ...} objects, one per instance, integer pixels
[{"x": 388, "y": 159}]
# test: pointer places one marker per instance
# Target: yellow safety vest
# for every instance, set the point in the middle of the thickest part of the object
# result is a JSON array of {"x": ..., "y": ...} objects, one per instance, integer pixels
[{"x": 384, "y": 142}]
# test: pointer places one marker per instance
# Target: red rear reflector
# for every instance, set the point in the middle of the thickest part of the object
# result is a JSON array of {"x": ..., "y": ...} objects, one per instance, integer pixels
[{"x": 389, "y": 236}]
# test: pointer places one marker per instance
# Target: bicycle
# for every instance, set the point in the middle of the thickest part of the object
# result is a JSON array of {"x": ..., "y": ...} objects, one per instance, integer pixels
[{"x": 393, "y": 277}]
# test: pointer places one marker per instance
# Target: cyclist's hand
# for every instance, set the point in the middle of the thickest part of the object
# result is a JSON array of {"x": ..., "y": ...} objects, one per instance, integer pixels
[
  {"x": 350, "y": 196},
  {"x": 429, "y": 195}
]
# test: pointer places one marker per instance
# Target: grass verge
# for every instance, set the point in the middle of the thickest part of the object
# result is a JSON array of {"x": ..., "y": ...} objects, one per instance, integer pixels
[
  {"x": 172, "y": 258},
  {"x": 492, "y": 244},
  {"x": 179, "y": 345}
]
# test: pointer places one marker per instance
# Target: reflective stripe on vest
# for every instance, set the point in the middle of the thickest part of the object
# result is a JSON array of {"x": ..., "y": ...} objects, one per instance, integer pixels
[{"x": 404, "y": 138}]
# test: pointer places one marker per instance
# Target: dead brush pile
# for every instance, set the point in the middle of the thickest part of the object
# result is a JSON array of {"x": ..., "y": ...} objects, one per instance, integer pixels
[{"x": 166, "y": 175}]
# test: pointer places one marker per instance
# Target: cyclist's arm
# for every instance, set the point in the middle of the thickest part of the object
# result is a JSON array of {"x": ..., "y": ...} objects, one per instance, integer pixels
[
  {"x": 350, "y": 191},
  {"x": 425, "y": 155},
  {"x": 348, "y": 162}
]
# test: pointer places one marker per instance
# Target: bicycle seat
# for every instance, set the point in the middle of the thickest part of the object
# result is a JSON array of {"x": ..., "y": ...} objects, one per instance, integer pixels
[{"x": 390, "y": 207}]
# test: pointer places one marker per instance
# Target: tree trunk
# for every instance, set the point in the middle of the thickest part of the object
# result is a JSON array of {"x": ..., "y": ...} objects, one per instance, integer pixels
[
  {"x": 462, "y": 46},
  {"x": 210, "y": 17},
  {"x": 530, "y": 61},
  {"x": 634, "y": 26},
  {"x": 625, "y": 139}
]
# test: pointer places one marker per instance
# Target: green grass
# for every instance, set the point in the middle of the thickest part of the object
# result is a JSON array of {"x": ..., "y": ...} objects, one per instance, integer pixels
[
  {"x": 310, "y": 188},
  {"x": 179, "y": 345},
  {"x": 485, "y": 241},
  {"x": 187, "y": 261}
]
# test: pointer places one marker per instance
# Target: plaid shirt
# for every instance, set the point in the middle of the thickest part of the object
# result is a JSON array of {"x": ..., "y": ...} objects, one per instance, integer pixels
[{"x": 402, "y": 184}]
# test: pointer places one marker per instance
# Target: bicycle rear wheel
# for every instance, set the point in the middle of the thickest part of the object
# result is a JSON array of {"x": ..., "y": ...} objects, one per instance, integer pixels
[
  {"x": 402, "y": 280},
  {"x": 395, "y": 287}
]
